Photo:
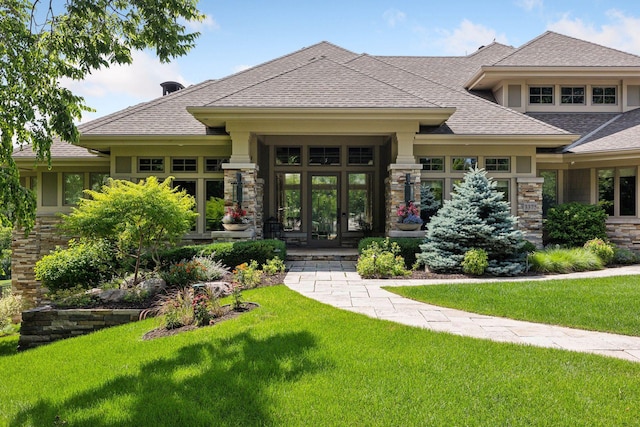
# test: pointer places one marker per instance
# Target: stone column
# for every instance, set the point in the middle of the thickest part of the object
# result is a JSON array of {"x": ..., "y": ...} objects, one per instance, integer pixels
[
  {"x": 530, "y": 208},
  {"x": 26, "y": 250},
  {"x": 395, "y": 190},
  {"x": 251, "y": 191}
]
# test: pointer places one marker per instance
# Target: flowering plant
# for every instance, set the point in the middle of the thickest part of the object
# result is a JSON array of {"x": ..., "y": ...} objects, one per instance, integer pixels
[
  {"x": 409, "y": 214},
  {"x": 235, "y": 215}
]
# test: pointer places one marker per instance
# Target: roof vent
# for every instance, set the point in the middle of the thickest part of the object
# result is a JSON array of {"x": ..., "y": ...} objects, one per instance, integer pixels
[{"x": 170, "y": 87}]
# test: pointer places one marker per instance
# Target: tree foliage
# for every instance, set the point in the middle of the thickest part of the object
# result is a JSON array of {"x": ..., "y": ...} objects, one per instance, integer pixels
[
  {"x": 478, "y": 218},
  {"x": 139, "y": 218},
  {"x": 43, "y": 42},
  {"x": 573, "y": 224}
]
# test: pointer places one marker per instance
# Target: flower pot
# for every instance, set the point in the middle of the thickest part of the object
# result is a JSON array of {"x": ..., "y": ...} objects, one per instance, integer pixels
[
  {"x": 408, "y": 227},
  {"x": 236, "y": 227}
]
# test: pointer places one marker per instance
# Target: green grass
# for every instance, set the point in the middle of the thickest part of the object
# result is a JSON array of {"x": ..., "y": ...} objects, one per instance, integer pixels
[
  {"x": 5, "y": 284},
  {"x": 295, "y": 362},
  {"x": 607, "y": 304}
]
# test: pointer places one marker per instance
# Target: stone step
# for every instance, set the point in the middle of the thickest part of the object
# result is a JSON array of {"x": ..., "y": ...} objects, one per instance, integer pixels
[{"x": 333, "y": 254}]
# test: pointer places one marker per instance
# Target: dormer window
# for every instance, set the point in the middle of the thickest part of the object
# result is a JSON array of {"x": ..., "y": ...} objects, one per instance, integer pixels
[
  {"x": 604, "y": 95},
  {"x": 572, "y": 95},
  {"x": 541, "y": 95}
]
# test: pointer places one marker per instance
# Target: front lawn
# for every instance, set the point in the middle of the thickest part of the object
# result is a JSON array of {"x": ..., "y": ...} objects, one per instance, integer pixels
[
  {"x": 294, "y": 361},
  {"x": 607, "y": 304},
  {"x": 5, "y": 284}
]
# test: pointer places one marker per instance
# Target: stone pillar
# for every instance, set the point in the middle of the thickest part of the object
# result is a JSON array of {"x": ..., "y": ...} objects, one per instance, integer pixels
[
  {"x": 251, "y": 191},
  {"x": 394, "y": 191},
  {"x": 530, "y": 208},
  {"x": 25, "y": 251}
]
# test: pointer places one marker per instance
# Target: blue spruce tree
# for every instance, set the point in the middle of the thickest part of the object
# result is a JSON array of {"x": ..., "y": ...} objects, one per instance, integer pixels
[{"x": 475, "y": 217}]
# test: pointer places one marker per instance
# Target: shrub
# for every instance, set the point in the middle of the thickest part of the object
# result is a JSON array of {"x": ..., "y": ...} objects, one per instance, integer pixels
[
  {"x": 475, "y": 262},
  {"x": 247, "y": 275},
  {"x": 624, "y": 256},
  {"x": 601, "y": 248},
  {"x": 184, "y": 273},
  {"x": 560, "y": 260},
  {"x": 573, "y": 224},
  {"x": 409, "y": 247},
  {"x": 10, "y": 307},
  {"x": 528, "y": 247},
  {"x": 73, "y": 297},
  {"x": 212, "y": 269},
  {"x": 176, "y": 308},
  {"x": 273, "y": 266},
  {"x": 381, "y": 260},
  {"x": 84, "y": 264}
]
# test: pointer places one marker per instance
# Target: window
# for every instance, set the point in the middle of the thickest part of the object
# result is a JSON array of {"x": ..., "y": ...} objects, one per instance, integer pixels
[
  {"x": 617, "y": 191},
  {"x": 214, "y": 194},
  {"x": 151, "y": 164},
  {"x": 432, "y": 164},
  {"x": 549, "y": 190},
  {"x": 184, "y": 165},
  {"x": 288, "y": 156},
  {"x": 97, "y": 180},
  {"x": 604, "y": 95},
  {"x": 324, "y": 155},
  {"x": 502, "y": 186},
  {"x": 360, "y": 202},
  {"x": 431, "y": 198},
  {"x": 463, "y": 163},
  {"x": 497, "y": 164},
  {"x": 190, "y": 187},
  {"x": 541, "y": 95},
  {"x": 214, "y": 164},
  {"x": 572, "y": 95},
  {"x": 289, "y": 205},
  {"x": 361, "y": 155},
  {"x": 72, "y": 186},
  {"x": 49, "y": 189}
]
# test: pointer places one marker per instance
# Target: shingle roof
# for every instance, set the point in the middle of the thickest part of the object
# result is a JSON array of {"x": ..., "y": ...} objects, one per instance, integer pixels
[
  {"x": 578, "y": 123},
  {"x": 620, "y": 134},
  {"x": 557, "y": 50},
  {"x": 59, "y": 149}
]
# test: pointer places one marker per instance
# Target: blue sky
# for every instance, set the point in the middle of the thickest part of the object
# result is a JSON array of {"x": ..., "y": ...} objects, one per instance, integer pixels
[{"x": 241, "y": 33}]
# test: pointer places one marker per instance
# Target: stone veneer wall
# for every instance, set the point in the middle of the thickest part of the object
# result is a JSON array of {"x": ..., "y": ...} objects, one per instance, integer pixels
[
  {"x": 26, "y": 251},
  {"x": 45, "y": 325},
  {"x": 624, "y": 232},
  {"x": 530, "y": 209},
  {"x": 394, "y": 191}
]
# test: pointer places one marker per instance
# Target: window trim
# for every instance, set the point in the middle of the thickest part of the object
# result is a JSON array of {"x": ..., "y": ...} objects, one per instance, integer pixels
[
  {"x": 151, "y": 165},
  {"x": 464, "y": 170},
  {"x": 541, "y": 95},
  {"x": 573, "y": 95},
  {"x": 428, "y": 166},
  {"x": 288, "y": 148},
  {"x": 64, "y": 187},
  {"x": 604, "y": 95},
  {"x": 184, "y": 164},
  {"x": 497, "y": 165}
]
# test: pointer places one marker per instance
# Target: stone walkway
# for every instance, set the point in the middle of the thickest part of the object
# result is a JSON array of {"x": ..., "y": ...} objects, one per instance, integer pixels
[{"x": 338, "y": 284}]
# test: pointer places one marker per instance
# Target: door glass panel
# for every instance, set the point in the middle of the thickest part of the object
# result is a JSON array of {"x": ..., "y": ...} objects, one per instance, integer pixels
[
  {"x": 214, "y": 196},
  {"x": 324, "y": 207},
  {"x": 628, "y": 191},
  {"x": 605, "y": 189},
  {"x": 288, "y": 203},
  {"x": 360, "y": 209}
]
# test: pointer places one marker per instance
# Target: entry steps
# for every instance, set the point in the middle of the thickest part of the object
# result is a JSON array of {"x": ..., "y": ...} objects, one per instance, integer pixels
[{"x": 322, "y": 254}]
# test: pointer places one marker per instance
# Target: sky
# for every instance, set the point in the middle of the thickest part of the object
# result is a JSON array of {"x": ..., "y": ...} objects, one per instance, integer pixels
[{"x": 238, "y": 34}]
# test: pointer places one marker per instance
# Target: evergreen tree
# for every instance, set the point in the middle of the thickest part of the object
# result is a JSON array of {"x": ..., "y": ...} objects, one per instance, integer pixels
[
  {"x": 428, "y": 203},
  {"x": 476, "y": 217}
]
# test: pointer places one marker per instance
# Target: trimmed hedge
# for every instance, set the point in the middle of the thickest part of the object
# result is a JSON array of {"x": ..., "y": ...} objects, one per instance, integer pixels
[
  {"x": 409, "y": 247},
  {"x": 573, "y": 224},
  {"x": 230, "y": 254}
]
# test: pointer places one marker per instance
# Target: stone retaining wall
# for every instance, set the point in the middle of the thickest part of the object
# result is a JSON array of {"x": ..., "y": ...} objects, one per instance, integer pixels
[{"x": 44, "y": 325}]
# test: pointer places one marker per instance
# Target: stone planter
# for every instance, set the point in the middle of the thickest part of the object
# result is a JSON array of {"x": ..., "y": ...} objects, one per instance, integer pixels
[
  {"x": 236, "y": 227},
  {"x": 408, "y": 227}
]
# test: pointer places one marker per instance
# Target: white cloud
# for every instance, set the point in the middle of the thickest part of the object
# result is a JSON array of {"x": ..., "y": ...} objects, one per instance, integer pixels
[
  {"x": 140, "y": 80},
  {"x": 467, "y": 38},
  {"x": 207, "y": 24},
  {"x": 620, "y": 31},
  {"x": 393, "y": 17},
  {"x": 529, "y": 5},
  {"x": 241, "y": 67}
]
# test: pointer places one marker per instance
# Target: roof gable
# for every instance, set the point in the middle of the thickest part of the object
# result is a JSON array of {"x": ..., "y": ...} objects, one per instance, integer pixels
[{"x": 557, "y": 50}]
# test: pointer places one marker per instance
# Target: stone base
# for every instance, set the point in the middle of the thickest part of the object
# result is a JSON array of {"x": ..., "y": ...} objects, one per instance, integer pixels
[
  {"x": 400, "y": 233},
  {"x": 233, "y": 236}
]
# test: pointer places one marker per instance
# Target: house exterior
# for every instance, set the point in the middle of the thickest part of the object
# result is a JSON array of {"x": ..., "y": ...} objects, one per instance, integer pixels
[{"x": 328, "y": 143}]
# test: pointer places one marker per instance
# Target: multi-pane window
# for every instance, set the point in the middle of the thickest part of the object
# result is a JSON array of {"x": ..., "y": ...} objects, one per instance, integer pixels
[
  {"x": 361, "y": 155},
  {"x": 432, "y": 164},
  {"x": 549, "y": 189},
  {"x": 604, "y": 95},
  {"x": 431, "y": 197},
  {"x": 572, "y": 95},
  {"x": 463, "y": 163},
  {"x": 502, "y": 186},
  {"x": 541, "y": 95},
  {"x": 214, "y": 164},
  {"x": 324, "y": 156},
  {"x": 617, "y": 191},
  {"x": 189, "y": 164},
  {"x": 72, "y": 186},
  {"x": 289, "y": 201},
  {"x": 189, "y": 186},
  {"x": 97, "y": 180},
  {"x": 497, "y": 164},
  {"x": 360, "y": 202},
  {"x": 150, "y": 164},
  {"x": 288, "y": 156},
  {"x": 214, "y": 195}
]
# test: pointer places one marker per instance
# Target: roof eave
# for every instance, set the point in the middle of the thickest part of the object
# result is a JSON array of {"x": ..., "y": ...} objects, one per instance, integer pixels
[{"x": 512, "y": 139}]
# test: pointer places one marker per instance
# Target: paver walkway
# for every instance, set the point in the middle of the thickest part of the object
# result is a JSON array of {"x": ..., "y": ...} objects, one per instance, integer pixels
[{"x": 338, "y": 284}]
